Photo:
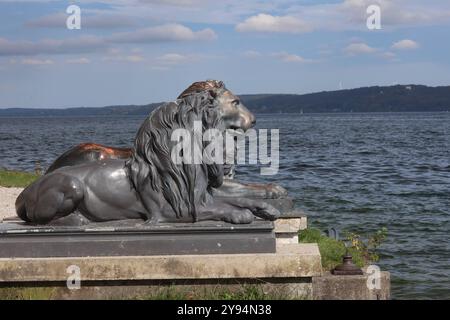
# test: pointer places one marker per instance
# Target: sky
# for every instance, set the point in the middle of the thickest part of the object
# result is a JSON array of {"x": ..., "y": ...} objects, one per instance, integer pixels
[{"x": 142, "y": 51}]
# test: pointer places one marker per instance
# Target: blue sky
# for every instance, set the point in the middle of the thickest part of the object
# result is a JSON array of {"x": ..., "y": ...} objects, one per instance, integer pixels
[{"x": 141, "y": 51}]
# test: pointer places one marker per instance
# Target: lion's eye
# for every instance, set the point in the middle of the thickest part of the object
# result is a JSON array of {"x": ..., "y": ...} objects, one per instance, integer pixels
[{"x": 236, "y": 102}]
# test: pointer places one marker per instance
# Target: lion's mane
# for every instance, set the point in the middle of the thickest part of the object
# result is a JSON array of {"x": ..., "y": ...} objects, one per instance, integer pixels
[{"x": 183, "y": 186}]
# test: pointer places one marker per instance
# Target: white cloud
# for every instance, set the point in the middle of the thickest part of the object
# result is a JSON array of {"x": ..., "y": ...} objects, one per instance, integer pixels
[
  {"x": 268, "y": 23},
  {"x": 173, "y": 58},
  {"x": 405, "y": 44},
  {"x": 78, "y": 61},
  {"x": 351, "y": 14},
  {"x": 288, "y": 57},
  {"x": 359, "y": 48},
  {"x": 85, "y": 44},
  {"x": 162, "y": 62},
  {"x": 395, "y": 13},
  {"x": 134, "y": 58},
  {"x": 176, "y": 3},
  {"x": 328, "y": 15},
  {"x": 51, "y": 46},
  {"x": 281, "y": 56},
  {"x": 164, "y": 33},
  {"x": 99, "y": 21},
  {"x": 37, "y": 62},
  {"x": 389, "y": 55}
]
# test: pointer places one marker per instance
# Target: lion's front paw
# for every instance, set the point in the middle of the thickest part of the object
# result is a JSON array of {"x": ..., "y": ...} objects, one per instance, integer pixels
[
  {"x": 274, "y": 191},
  {"x": 267, "y": 213},
  {"x": 153, "y": 221},
  {"x": 240, "y": 217}
]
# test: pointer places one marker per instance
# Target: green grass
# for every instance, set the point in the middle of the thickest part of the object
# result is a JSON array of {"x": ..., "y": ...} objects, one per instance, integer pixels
[
  {"x": 26, "y": 293},
  {"x": 331, "y": 250},
  {"x": 16, "y": 179},
  {"x": 242, "y": 292},
  {"x": 245, "y": 292}
]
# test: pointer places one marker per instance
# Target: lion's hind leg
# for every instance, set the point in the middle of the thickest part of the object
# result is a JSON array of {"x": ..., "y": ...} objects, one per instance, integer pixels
[{"x": 53, "y": 196}]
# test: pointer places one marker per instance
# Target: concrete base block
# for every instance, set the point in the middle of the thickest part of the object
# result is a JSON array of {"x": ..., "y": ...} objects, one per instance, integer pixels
[
  {"x": 293, "y": 260},
  {"x": 285, "y": 274},
  {"x": 331, "y": 287},
  {"x": 286, "y": 238},
  {"x": 290, "y": 225},
  {"x": 287, "y": 227}
]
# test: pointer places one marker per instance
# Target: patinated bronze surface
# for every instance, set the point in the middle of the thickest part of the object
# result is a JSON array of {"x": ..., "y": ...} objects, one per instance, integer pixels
[
  {"x": 105, "y": 184},
  {"x": 89, "y": 152}
]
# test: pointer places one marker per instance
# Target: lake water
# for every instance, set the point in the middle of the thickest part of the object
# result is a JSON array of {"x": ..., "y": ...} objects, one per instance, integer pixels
[{"x": 354, "y": 172}]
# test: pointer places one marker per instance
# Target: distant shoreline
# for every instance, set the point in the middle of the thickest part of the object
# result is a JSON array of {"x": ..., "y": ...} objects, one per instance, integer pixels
[
  {"x": 257, "y": 113},
  {"x": 399, "y": 98}
]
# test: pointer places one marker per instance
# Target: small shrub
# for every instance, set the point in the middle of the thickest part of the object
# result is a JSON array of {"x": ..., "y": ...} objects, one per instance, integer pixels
[{"x": 368, "y": 247}]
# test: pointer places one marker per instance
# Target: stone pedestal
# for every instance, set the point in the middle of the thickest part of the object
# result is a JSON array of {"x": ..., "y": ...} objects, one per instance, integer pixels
[
  {"x": 287, "y": 273},
  {"x": 128, "y": 238}
]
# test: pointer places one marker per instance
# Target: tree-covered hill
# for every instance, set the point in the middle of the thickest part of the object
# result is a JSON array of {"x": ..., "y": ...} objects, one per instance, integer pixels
[{"x": 399, "y": 98}]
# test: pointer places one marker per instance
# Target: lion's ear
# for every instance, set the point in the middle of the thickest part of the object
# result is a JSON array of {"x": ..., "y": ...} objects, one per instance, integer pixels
[{"x": 213, "y": 93}]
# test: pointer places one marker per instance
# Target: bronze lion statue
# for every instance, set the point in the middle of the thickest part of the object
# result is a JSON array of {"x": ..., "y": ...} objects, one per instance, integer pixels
[
  {"x": 149, "y": 185},
  {"x": 88, "y": 152}
]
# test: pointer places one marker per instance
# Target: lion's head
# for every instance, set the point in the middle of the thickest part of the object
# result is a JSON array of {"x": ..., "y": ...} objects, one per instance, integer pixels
[
  {"x": 184, "y": 186},
  {"x": 231, "y": 110}
]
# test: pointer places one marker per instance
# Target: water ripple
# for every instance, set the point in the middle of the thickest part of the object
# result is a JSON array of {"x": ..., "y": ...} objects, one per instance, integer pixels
[{"x": 355, "y": 172}]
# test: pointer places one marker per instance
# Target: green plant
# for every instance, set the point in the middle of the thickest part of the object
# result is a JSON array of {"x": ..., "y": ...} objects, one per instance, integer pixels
[
  {"x": 363, "y": 251},
  {"x": 368, "y": 247},
  {"x": 331, "y": 250}
]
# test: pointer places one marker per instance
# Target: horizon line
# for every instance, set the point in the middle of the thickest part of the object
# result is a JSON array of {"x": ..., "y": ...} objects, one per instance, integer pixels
[{"x": 242, "y": 94}]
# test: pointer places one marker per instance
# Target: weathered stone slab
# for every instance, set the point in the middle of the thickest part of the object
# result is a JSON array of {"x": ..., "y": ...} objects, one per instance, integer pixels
[
  {"x": 331, "y": 287},
  {"x": 287, "y": 227},
  {"x": 286, "y": 238},
  {"x": 290, "y": 225},
  {"x": 132, "y": 237},
  {"x": 290, "y": 261}
]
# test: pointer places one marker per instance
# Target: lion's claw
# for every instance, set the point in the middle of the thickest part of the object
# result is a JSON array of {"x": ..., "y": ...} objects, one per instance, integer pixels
[
  {"x": 267, "y": 213},
  {"x": 274, "y": 191},
  {"x": 243, "y": 217}
]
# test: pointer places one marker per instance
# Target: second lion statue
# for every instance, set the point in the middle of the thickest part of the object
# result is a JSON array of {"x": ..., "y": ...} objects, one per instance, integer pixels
[{"x": 149, "y": 185}]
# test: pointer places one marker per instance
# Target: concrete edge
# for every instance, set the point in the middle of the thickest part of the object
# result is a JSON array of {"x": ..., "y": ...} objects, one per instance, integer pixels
[{"x": 290, "y": 261}]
